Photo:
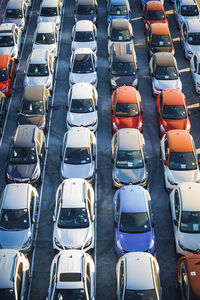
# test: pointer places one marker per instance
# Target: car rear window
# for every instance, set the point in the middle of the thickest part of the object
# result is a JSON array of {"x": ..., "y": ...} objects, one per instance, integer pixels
[{"x": 70, "y": 277}]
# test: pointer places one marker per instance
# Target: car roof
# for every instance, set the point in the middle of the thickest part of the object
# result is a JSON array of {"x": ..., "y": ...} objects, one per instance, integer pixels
[
  {"x": 20, "y": 194},
  {"x": 7, "y": 267},
  {"x": 73, "y": 193},
  {"x": 24, "y": 136},
  {"x": 165, "y": 59},
  {"x": 45, "y": 27},
  {"x": 121, "y": 24},
  {"x": 123, "y": 52},
  {"x": 154, "y": 5},
  {"x": 6, "y": 27},
  {"x": 127, "y": 94},
  {"x": 4, "y": 58},
  {"x": 78, "y": 137},
  {"x": 193, "y": 272},
  {"x": 14, "y": 4},
  {"x": 83, "y": 51},
  {"x": 84, "y": 25},
  {"x": 118, "y": 2},
  {"x": 81, "y": 90},
  {"x": 193, "y": 25},
  {"x": 133, "y": 198},
  {"x": 188, "y": 2},
  {"x": 179, "y": 141},
  {"x": 160, "y": 29},
  {"x": 190, "y": 196},
  {"x": 38, "y": 56},
  {"x": 85, "y": 2},
  {"x": 34, "y": 92},
  {"x": 128, "y": 139},
  {"x": 49, "y": 3},
  {"x": 173, "y": 97}
]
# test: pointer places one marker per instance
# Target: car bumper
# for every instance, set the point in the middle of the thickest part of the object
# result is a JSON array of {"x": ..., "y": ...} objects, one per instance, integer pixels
[
  {"x": 90, "y": 180},
  {"x": 36, "y": 182},
  {"x": 120, "y": 184},
  {"x": 92, "y": 128},
  {"x": 87, "y": 248}
]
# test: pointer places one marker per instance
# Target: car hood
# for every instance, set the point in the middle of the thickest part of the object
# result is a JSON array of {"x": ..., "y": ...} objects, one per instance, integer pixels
[
  {"x": 34, "y": 120},
  {"x": 88, "y": 77},
  {"x": 21, "y": 171},
  {"x": 14, "y": 239},
  {"x": 55, "y": 19},
  {"x": 132, "y": 122},
  {"x": 135, "y": 241},
  {"x": 72, "y": 238},
  {"x": 90, "y": 17},
  {"x": 183, "y": 176},
  {"x": 174, "y": 124},
  {"x": 124, "y": 80},
  {"x": 46, "y": 47},
  {"x": 189, "y": 240},
  {"x": 36, "y": 80},
  {"x": 165, "y": 84},
  {"x": 16, "y": 21},
  {"x": 127, "y": 176},
  {"x": 6, "y": 50},
  {"x": 84, "y": 119},
  {"x": 91, "y": 45},
  {"x": 76, "y": 171}
]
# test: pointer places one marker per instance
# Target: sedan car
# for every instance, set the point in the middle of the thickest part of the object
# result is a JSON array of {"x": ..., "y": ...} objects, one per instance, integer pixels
[
  {"x": 133, "y": 218},
  {"x": 74, "y": 216},
  {"x": 7, "y": 73},
  {"x": 86, "y": 10},
  {"x": 185, "y": 10},
  {"x": 190, "y": 37},
  {"x": 153, "y": 12},
  {"x": 195, "y": 70},
  {"x": 83, "y": 67},
  {"x": 185, "y": 213},
  {"x": 51, "y": 11},
  {"x": 118, "y": 9},
  {"x": 128, "y": 158}
]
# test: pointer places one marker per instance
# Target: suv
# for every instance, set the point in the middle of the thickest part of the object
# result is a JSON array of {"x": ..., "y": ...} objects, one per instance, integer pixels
[
  {"x": 51, "y": 11},
  {"x": 86, "y": 10},
  {"x": 26, "y": 155},
  {"x": 72, "y": 276},
  {"x": 118, "y": 9},
  {"x": 14, "y": 278},
  {"x": 190, "y": 37},
  {"x": 123, "y": 65},
  {"x": 18, "y": 216},
  {"x": 185, "y": 10},
  {"x": 7, "y": 73}
]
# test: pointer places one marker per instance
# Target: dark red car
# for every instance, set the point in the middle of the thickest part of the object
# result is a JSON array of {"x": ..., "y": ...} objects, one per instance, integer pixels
[{"x": 7, "y": 72}]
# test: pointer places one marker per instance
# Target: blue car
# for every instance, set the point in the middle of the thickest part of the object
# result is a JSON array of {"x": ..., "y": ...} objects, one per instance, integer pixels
[
  {"x": 133, "y": 218},
  {"x": 118, "y": 9},
  {"x": 143, "y": 2}
]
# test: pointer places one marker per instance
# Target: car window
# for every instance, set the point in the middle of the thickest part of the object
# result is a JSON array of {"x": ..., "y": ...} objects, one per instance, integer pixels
[
  {"x": 184, "y": 31},
  {"x": 121, "y": 279},
  {"x": 89, "y": 202},
  {"x": 19, "y": 280},
  {"x": 32, "y": 206},
  {"x": 176, "y": 204},
  {"x": 184, "y": 281},
  {"x": 88, "y": 280},
  {"x": 161, "y": 102},
  {"x": 118, "y": 207},
  {"x": 114, "y": 100},
  {"x": 10, "y": 68},
  {"x": 166, "y": 149}
]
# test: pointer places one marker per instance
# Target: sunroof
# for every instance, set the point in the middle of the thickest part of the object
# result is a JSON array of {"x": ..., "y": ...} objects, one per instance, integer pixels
[{"x": 70, "y": 277}]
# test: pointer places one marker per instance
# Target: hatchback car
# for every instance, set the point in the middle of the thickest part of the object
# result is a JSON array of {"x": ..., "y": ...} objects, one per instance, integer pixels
[
  {"x": 72, "y": 276},
  {"x": 18, "y": 217},
  {"x": 185, "y": 213},
  {"x": 179, "y": 159},
  {"x": 26, "y": 155},
  {"x": 84, "y": 35},
  {"x": 14, "y": 278},
  {"x": 118, "y": 9},
  {"x": 164, "y": 72},
  {"x": 128, "y": 158},
  {"x": 195, "y": 70},
  {"x": 190, "y": 37},
  {"x": 185, "y": 10},
  {"x": 138, "y": 277},
  {"x": 78, "y": 154},
  {"x": 172, "y": 111},
  {"x": 83, "y": 67},
  {"x": 3, "y": 111},
  {"x": 153, "y": 12},
  {"x": 133, "y": 219},
  {"x": 7, "y": 73},
  {"x": 46, "y": 37},
  {"x": 86, "y": 10},
  {"x": 40, "y": 69},
  {"x": 10, "y": 40},
  {"x": 126, "y": 109},
  {"x": 50, "y": 11},
  {"x": 82, "y": 106},
  {"x": 74, "y": 216}
]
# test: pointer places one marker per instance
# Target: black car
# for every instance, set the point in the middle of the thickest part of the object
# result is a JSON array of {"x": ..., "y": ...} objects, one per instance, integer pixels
[{"x": 86, "y": 10}]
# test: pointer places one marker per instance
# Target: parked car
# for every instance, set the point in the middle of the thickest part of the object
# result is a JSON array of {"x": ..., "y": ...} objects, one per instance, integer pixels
[
  {"x": 172, "y": 111},
  {"x": 133, "y": 219},
  {"x": 179, "y": 159},
  {"x": 138, "y": 277},
  {"x": 118, "y": 9},
  {"x": 83, "y": 67},
  {"x": 86, "y": 10},
  {"x": 190, "y": 37},
  {"x": 51, "y": 11},
  {"x": 84, "y": 35},
  {"x": 185, "y": 213},
  {"x": 7, "y": 73},
  {"x": 126, "y": 109},
  {"x": 82, "y": 106},
  {"x": 3, "y": 111},
  {"x": 74, "y": 216},
  {"x": 78, "y": 154},
  {"x": 72, "y": 276},
  {"x": 153, "y": 12},
  {"x": 195, "y": 70},
  {"x": 128, "y": 158},
  {"x": 26, "y": 155},
  {"x": 10, "y": 40},
  {"x": 164, "y": 72},
  {"x": 185, "y": 10},
  {"x": 14, "y": 278},
  {"x": 18, "y": 217}
]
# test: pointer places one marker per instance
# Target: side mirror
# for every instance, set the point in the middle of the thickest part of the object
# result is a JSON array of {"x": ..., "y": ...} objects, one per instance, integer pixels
[
  {"x": 115, "y": 223},
  {"x": 179, "y": 74},
  {"x": 24, "y": 71},
  {"x": 93, "y": 156},
  {"x": 164, "y": 162},
  {"x": 141, "y": 111},
  {"x": 108, "y": 69},
  {"x": 175, "y": 223},
  {"x": 72, "y": 38},
  {"x": 67, "y": 107},
  {"x": 152, "y": 224},
  {"x": 33, "y": 220},
  {"x": 112, "y": 160},
  {"x": 96, "y": 107},
  {"x": 54, "y": 219},
  {"x": 189, "y": 113},
  {"x": 112, "y": 112},
  {"x": 70, "y": 69}
]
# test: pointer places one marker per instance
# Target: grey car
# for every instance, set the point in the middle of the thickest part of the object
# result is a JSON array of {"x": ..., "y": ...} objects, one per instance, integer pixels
[{"x": 128, "y": 158}]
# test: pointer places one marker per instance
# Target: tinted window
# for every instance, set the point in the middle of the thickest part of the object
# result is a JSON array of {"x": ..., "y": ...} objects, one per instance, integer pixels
[
  {"x": 69, "y": 294},
  {"x": 182, "y": 161},
  {"x": 22, "y": 156},
  {"x": 194, "y": 38},
  {"x": 189, "y": 10},
  {"x": 6, "y": 41},
  {"x": 82, "y": 106},
  {"x": 83, "y": 64},
  {"x": 190, "y": 221},
  {"x": 73, "y": 218},
  {"x": 123, "y": 69},
  {"x": 13, "y": 14},
  {"x": 84, "y": 36},
  {"x": 140, "y": 295},
  {"x": 127, "y": 110},
  {"x": 32, "y": 108},
  {"x": 155, "y": 15},
  {"x": 118, "y": 10},
  {"x": 85, "y": 9},
  {"x": 174, "y": 112},
  {"x": 45, "y": 38},
  {"x": 3, "y": 74},
  {"x": 49, "y": 12},
  {"x": 120, "y": 35},
  {"x": 77, "y": 156},
  {"x": 14, "y": 219},
  {"x": 166, "y": 73},
  {"x": 129, "y": 159},
  {"x": 160, "y": 41},
  {"x": 35, "y": 70},
  {"x": 134, "y": 222}
]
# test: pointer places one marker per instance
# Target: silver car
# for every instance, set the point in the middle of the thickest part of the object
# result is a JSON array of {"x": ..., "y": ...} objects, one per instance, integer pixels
[
  {"x": 185, "y": 10},
  {"x": 50, "y": 11},
  {"x": 190, "y": 37}
]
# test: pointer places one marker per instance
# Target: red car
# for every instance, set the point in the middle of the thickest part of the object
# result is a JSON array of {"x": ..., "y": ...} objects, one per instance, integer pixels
[
  {"x": 126, "y": 109},
  {"x": 172, "y": 111},
  {"x": 7, "y": 72},
  {"x": 153, "y": 12}
]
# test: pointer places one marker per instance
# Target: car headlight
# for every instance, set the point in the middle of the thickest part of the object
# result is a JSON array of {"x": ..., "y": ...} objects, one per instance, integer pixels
[
  {"x": 171, "y": 181},
  {"x": 90, "y": 176},
  {"x": 58, "y": 244},
  {"x": 21, "y": 25},
  {"x": 54, "y": 51},
  {"x": 181, "y": 246},
  {"x": 140, "y": 126},
  {"x": 93, "y": 123},
  {"x": 48, "y": 83},
  {"x": 6, "y": 89},
  {"x": 115, "y": 126},
  {"x": 88, "y": 243},
  {"x": 94, "y": 48},
  {"x": 113, "y": 83},
  {"x": 188, "y": 127},
  {"x": 9, "y": 177},
  {"x": 14, "y": 53},
  {"x": 27, "y": 244},
  {"x": 120, "y": 247},
  {"x": 36, "y": 174},
  {"x": 162, "y": 129},
  {"x": 71, "y": 81},
  {"x": 151, "y": 246},
  {"x": 93, "y": 81},
  {"x": 190, "y": 52},
  {"x": 94, "y": 19},
  {"x": 135, "y": 82}
]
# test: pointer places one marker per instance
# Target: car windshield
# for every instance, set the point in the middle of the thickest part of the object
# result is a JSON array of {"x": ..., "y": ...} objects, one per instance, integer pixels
[
  {"x": 69, "y": 294},
  {"x": 77, "y": 156},
  {"x": 38, "y": 70},
  {"x": 140, "y": 295},
  {"x": 14, "y": 219},
  {"x": 82, "y": 106},
  {"x": 45, "y": 38},
  {"x": 166, "y": 73},
  {"x": 190, "y": 221},
  {"x": 49, "y": 12},
  {"x": 155, "y": 15},
  {"x": 118, "y": 10},
  {"x": 129, "y": 159},
  {"x": 6, "y": 41},
  {"x": 85, "y": 9},
  {"x": 174, "y": 112},
  {"x": 123, "y": 69},
  {"x": 13, "y": 14},
  {"x": 23, "y": 156},
  {"x": 7, "y": 294},
  {"x": 32, "y": 107},
  {"x": 127, "y": 110},
  {"x": 189, "y": 10},
  {"x": 3, "y": 74},
  {"x": 84, "y": 36},
  {"x": 182, "y": 161},
  {"x": 120, "y": 35},
  {"x": 83, "y": 64},
  {"x": 160, "y": 41},
  {"x": 194, "y": 38},
  {"x": 134, "y": 222},
  {"x": 73, "y": 218}
]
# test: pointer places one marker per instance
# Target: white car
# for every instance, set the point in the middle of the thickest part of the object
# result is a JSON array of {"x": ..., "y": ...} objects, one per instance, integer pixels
[
  {"x": 190, "y": 37},
  {"x": 50, "y": 11},
  {"x": 84, "y": 35},
  {"x": 83, "y": 67},
  {"x": 195, "y": 70},
  {"x": 185, "y": 213},
  {"x": 74, "y": 216},
  {"x": 185, "y": 10},
  {"x": 72, "y": 276},
  {"x": 138, "y": 277},
  {"x": 179, "y": 159},
  {"x": 82, "y": 106},
  {"x": 40, "y": 69},
  {"x": 10, "y": 40},
  {"x": 46, "y": 37}
]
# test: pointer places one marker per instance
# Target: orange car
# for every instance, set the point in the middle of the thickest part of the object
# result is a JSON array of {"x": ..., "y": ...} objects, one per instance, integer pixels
[
  {"x": 7, "y": 71},
  {"x": 126, "y": 109},
  {"x": 153, "y": 12},
  {"x": 172, "y": 111}
]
